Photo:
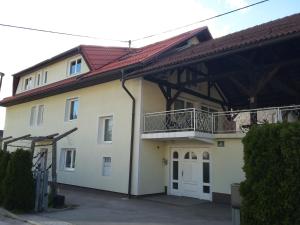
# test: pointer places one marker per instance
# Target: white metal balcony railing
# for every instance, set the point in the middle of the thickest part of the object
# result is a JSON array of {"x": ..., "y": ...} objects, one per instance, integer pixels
[{"x": 216, "y": 122}]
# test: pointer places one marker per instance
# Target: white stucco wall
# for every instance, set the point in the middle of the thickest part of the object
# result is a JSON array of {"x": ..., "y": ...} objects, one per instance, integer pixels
[
  {"x": 56, "y": 72},
  {"x": 154, "y": 176},
  {"x": 100, "y": 100}
]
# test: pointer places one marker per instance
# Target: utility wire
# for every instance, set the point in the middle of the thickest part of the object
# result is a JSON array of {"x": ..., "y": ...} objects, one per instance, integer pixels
[
  {"x": 200, "y": 21},
  {"x": 135, "y": 40},
  {"x": 61, "y": 33}
]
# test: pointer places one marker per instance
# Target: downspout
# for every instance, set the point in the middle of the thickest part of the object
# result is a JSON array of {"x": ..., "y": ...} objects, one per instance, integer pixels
[{"x": 132, "y": 133}]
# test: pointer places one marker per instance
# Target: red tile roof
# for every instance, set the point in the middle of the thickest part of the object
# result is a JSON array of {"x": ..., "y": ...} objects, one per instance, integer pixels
[
  {"x": 104, "y": 59},
  {"x": 142, "y": 55},
  {"x": 99, "y": 56},
  {"x": 286, "y": 26}
]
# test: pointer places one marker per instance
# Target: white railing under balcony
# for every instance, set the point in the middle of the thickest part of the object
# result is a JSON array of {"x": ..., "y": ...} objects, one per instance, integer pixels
[
  {"x": 217, "y": 122},
  {"x": 178, "y": 120}
]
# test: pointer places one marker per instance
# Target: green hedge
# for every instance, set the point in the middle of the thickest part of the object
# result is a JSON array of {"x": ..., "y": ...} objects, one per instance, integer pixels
[
  {"x": 4, "y": 158},
  {"x": 271, "y": 191},
  {"x": 18, "y": 188}
]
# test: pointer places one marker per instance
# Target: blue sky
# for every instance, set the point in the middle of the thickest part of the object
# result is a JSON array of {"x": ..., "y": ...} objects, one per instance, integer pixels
[
  {"x": 116, "y": 19},
  {"x": 258, "y": 14}
]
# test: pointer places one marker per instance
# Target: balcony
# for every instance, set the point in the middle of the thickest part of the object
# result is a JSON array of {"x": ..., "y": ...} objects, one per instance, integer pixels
[{"x": 198, "y": 124}]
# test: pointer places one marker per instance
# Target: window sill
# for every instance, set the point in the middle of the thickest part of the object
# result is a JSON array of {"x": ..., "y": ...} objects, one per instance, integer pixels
[
  {"x": 105, "y": 143},
  {"x": 69, "y": 170}
]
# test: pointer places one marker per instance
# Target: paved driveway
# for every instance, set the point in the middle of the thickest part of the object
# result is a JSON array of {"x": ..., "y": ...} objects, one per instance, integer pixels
[{"x": 107, "y": 208}]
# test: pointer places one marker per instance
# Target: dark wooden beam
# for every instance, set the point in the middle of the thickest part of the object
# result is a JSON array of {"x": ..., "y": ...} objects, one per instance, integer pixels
[
  {"x": 183, "y": 89},
  {"x": 265, "y": 79},
  {"x": 13, "y": 140},
  {"x": 240, "y": 86},
  {"x": 285, "y": 88}
]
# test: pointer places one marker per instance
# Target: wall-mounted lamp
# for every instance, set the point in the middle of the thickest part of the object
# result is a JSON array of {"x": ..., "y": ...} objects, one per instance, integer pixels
[{"x": 165, "y": 161}]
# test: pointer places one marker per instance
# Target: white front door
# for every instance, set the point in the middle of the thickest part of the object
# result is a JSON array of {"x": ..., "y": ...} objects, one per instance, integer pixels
[{"x": 190, "y": 173}]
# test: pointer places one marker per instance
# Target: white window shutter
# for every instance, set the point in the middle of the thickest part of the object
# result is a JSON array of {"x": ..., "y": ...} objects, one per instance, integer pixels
[
  {"x": 67, "y": 109},
  {"x": 32, "y": 115}
]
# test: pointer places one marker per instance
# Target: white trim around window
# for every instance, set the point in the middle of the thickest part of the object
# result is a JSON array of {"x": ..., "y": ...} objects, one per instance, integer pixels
[
  {"x": 105, "y": 129},
  {"x": 106, "y": 166},
  {"x": 72, "y": 109},
  {"x": 68, "y": 159},
  {"x": 36, "y": 118},
  {"x": 75, "y": 66}
]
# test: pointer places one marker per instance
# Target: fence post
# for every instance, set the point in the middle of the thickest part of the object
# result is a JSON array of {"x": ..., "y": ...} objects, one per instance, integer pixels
[
  {"x": 195, "y": 117},
  {"x": 212, "y": 122}
]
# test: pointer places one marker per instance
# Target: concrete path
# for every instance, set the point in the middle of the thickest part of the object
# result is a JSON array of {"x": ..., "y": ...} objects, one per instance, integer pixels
[
  {"x": 9, "y": 221},
  {"x": 97, "y": 208}
]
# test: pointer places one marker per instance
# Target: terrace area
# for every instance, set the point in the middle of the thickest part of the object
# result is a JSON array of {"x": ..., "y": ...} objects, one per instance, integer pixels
[{"x": 198, "y": 124}]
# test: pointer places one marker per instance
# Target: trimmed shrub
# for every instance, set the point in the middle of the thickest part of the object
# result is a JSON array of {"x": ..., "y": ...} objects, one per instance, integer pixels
[
  {"x": 18, "y": 183},
  {"x": 271, "y": 191},
  {"x": 4, "y": 158}
]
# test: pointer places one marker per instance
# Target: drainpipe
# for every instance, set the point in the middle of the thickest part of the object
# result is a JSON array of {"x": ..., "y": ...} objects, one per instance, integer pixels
[
  {"x": 1, "y": 78},
  {"x": 132, "y": 133}
]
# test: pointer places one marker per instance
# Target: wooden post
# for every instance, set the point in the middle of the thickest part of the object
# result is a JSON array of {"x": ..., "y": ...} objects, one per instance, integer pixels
[
  {"x": 253, "y": 114},
  {"x": 53, "y": 171},
  {"x": 54, "y": 160}
]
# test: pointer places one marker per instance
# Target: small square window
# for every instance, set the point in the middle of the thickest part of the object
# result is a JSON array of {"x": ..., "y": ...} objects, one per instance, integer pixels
[
  {"x": 75, "y": 67},
  {"x": 221, "y": 144},
  {"x": 106, "y": 166},
  {"x": 72, "y": 106},
  {"x": 105, "y": 129}
]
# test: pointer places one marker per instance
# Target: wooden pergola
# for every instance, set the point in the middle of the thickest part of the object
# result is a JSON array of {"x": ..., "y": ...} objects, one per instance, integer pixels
[{"x": 51, "y": 140}]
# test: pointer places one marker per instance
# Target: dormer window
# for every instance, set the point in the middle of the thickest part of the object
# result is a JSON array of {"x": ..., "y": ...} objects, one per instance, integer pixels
[
  {"x": 28, "y": 83},
  {"x": 75, "y": 67}
]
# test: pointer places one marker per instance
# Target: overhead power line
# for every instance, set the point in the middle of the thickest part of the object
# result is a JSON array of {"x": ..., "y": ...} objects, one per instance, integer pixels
[
  {"x": 200, "y": 21},
  {"x": 61, "y": 33},
  {"x": 135, "y": 40}
]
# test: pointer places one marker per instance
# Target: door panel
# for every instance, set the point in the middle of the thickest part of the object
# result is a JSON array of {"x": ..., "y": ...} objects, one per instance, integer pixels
[{"x": 190, "y": 173}]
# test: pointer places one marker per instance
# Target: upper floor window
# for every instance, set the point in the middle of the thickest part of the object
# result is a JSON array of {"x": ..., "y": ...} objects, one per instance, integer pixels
[
  {"x": 75, "y": 67},
  {"x": 72, "y": 106},
  {"x": 36, "y": 115},
  {"x": 45, "y": 78},
  {"x": 38, "y": 79},
  {"x": 105, "y": 129},
  {"x": 28, "y": 83}
]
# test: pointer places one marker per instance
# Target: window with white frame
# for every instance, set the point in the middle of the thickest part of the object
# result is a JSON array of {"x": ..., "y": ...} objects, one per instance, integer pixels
[
  {"x": 105, "y": 129},
  {"x": 36, "y": 115},
  {"x": 45, "y": 77},
  {"x": 106, "y": 166},
  {"x": 28, "y": 83},
  {"x": 38, "y": 79},
  {"x": 75, "y": 67},
  {"x": 68, "y": 158},
  {"x": 71, "y": 112}
]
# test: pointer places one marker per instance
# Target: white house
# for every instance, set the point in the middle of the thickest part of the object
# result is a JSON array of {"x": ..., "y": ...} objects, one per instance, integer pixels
[{"x": 161, "y": 118}]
